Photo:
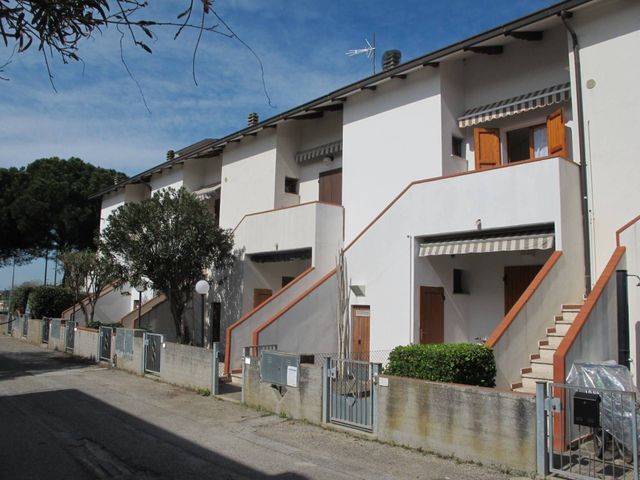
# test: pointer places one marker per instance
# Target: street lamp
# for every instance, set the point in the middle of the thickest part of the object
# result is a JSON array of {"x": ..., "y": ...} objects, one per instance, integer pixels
[
  {"x": 140, "y": 288},
  {"x": 202, "y": 287}
]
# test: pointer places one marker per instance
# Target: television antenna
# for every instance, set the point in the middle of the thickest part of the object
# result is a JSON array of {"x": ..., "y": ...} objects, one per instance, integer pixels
[{"x": 369, "y": 51}]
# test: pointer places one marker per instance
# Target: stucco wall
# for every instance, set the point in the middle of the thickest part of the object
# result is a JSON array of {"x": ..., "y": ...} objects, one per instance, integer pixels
[
  {"x": 186, "y": 366},
  {"x": 609, "y": 35},
  {"x": 85, "y": 343},
  {"x": 470, "y": 423},
  {"x": 248, "y": 166},
  {"x": 34, "y": 335},
  {"x": 391, "y": 136},
  {"x": 303, "y": 402},
  {"x": 524, "y": 194},
  {"x": 132, "y": 363}
]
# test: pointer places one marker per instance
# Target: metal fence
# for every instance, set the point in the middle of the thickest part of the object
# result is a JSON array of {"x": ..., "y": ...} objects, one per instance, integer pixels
[
  {"x": 105, "y": 343},
  {"x": 592, "y": 433},
  {"x": 351, "y": 392},
  {"x": 45, "y": 329},
  {"x": 25, "y": 325},
  {"x": 55, "y": 328},
  {"x": 253, "y": 351},
  {"x": 152, "y": 352},
  {"x": 374, "y": 356}
]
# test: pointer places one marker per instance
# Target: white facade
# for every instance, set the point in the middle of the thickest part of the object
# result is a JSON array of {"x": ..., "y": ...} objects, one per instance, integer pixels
[{"x": 402, "y": 129}]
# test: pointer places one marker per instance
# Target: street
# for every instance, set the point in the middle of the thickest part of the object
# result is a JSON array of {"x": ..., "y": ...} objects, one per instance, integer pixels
[{"x": 62, "y": 418}]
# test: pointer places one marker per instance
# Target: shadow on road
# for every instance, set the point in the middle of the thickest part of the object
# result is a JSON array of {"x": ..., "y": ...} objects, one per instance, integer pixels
[
  {"x": 68, "y": 434},
  {"x": 18, "y": 364}
]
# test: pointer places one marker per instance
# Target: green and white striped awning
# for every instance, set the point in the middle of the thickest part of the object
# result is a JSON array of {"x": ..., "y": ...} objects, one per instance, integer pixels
[
  {"x": 512, "y": 106},
  {"x": 327, "y": 150},
  {"x": 487, "y": 244}
]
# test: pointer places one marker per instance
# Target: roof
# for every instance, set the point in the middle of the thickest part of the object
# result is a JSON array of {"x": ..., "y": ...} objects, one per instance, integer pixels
[{"x": 334, "y": 100}]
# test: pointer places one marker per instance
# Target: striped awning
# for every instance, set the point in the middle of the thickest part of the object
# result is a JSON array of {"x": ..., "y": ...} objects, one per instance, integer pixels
[
  {"x": 502, "y": 243},
  {"x": 513, "y": 106},
  {"x": 207, "y": 192},
  {"x": 329, "y": 149}
]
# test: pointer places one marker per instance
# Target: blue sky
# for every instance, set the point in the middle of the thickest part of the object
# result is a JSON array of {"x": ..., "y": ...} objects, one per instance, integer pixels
[{"x": 99, "y": 116}]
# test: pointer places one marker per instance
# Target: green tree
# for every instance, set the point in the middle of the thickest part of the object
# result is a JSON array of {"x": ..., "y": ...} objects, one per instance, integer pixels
[
  {"x": 46, "y": 206},
  {"x": 169, "y": 239},
  {"x": 88, "y": 272}
]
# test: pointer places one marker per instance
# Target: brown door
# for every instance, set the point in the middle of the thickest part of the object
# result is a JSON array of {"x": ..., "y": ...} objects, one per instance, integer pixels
[
  {"x": 331, "y": 187},
  {"x": 516, "y": 281},
  {"x": 487, "y": 147},
  {"x": 556, "y": 135},
  {"x": 260, "y": 295},
  {"x": 431, "y": 314},
  {"x": 360, "y": 333}
]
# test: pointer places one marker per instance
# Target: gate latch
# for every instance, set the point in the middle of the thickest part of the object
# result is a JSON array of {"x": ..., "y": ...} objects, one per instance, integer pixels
[
  {"x": 146, "y": 342},
  {"x": 333, "y": 373},
  {"x": 552, "y": 405}
]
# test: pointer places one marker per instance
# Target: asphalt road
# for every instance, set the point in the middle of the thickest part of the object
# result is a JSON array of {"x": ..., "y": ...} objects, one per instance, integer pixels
[{"x": 63, "y": 419}]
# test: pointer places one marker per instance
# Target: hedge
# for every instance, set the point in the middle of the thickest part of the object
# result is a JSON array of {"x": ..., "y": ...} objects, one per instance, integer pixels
[
  {"x": 49, "y": 301},
  {"x": 466, "y": 363}
]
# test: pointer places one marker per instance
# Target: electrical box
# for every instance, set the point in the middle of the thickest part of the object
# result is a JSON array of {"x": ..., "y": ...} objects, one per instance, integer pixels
[
  {"x": 278, "y": 368},
  {"x": 586, "y": 409}
]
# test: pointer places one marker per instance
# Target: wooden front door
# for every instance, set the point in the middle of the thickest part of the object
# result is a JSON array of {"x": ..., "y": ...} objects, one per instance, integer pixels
[
  {"x": 431, "y": 314},
  {"x": 260, "y": 295},
  {"x": 486, "y": 147},
  {"x": 330, "y": 187},
  {"x": 360, "y": 333},
  {"x": 516, "y": 281}
]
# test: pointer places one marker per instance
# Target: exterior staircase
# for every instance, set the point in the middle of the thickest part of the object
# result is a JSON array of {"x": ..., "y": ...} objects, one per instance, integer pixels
[{"x": 541, "y": 366}]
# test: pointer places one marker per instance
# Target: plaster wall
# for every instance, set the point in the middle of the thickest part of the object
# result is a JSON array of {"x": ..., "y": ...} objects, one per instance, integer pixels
[
  {"x": 85, "y": 343},
  {"x": 609, "y": 36},
  {"x": 391, "y": 136},
  {"x": 186, "y": 366},
  {"x": 168, "y": 178},
  {"x": 533, "y": 195},
  {"x": 248, "y": 178}
]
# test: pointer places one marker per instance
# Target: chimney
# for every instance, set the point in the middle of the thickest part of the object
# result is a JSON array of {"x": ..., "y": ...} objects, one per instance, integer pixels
[
  {"x": 253, "y": 119},
  {"x": 170, "y": 155},
  {"x": 391, "y": 59}
]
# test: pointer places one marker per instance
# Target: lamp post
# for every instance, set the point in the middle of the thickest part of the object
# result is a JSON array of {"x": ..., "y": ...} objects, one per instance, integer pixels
[
  {"x": 202, "y": 287},
  {"x": 140, "y": 288}
]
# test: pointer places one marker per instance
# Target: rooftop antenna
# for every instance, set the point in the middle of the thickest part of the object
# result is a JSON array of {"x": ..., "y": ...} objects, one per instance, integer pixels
[{"x": 369, "y": 50}]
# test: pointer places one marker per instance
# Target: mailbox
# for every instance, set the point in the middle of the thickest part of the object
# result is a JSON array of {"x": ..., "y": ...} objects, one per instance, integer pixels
[{"x": 586, "y": 409}]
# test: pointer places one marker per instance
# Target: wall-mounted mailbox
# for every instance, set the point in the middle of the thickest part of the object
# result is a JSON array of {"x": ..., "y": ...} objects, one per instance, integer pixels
[
  {"x": 586, "y": 409},
  {"x": 278, "y": 368}
]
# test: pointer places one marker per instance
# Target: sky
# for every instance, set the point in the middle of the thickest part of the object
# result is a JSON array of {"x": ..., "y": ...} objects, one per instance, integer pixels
[{"x": 98, "y": 113}]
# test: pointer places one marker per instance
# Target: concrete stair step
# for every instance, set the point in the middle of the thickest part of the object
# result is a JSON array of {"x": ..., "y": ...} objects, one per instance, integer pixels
[
  {"x": 530, "y": 382},
  {"x": 554, "y": 339},
  {"x": 562, "y": 327},
  {"x": 569, "y": 316},
  {"x": 545, "y": 376},
  {"x": 571, "y": 307},
  {"x": 547, "y": 360},
  {"x": 529, "y": 390},
  {"x": 546, "y": 353},
  {"x": 542, "y": 369}
]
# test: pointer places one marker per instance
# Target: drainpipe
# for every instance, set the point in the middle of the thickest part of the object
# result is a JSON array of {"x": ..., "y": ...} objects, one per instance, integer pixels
[{"x": 584, "y": 192}]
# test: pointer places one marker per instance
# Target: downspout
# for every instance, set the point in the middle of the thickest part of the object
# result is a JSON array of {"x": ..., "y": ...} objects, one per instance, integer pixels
[{"x": 584, "y": 192}]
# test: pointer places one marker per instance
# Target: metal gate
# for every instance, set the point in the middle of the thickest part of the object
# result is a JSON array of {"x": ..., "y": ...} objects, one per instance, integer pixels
[
  {"x": 25, "y": 325},
  {"x": 45, "y": 329},
  {"x": 152, "y": 352},
  {"x": 106, "y": 334},
  {"x": 593, "y": 433},
  {"x": 351, "y": 393},
  {"x": 69, "y": 335}
]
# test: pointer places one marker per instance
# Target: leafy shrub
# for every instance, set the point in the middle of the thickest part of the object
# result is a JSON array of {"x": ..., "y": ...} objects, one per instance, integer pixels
[
  {"x": 466, "y": 363},
  {"x": 49, "y": 301},
  {"x": 20, "y": 296}
]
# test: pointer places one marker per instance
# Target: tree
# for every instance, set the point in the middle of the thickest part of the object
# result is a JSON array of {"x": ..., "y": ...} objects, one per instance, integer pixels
[
  {"x": 45, "y": 206},
  {"x": 88, "y": 271},
  {"x": 57, "y": 28},
  {"x": 169, "y": 239}
]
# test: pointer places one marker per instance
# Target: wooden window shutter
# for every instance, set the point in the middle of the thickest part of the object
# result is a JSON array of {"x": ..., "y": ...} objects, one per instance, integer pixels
[
  {"x": 556, "y": 135},
  {"x": 487, "y": 147}
]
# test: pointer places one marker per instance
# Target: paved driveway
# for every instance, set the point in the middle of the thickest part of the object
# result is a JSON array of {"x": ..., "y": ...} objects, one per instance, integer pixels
[{"x": 63, "y": 419}]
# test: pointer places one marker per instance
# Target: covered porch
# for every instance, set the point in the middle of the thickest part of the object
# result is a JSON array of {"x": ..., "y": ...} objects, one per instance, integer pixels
[{"x": 465, "y": 283}]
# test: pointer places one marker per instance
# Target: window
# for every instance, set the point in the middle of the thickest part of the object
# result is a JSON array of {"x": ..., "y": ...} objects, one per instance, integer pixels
[
  {"x": 459, "y": 281},
  {"x": 291, "y": 185},
  {"x": 527, "y": 143},
  {"x": 456, "y": 146}
]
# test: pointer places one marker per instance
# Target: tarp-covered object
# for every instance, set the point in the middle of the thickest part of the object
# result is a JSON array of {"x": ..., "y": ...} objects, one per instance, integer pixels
[{"x": 617, "y": 410}]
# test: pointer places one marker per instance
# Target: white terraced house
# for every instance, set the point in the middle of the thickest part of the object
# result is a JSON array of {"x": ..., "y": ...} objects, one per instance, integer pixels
[{"x": 487, "y": 191}]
